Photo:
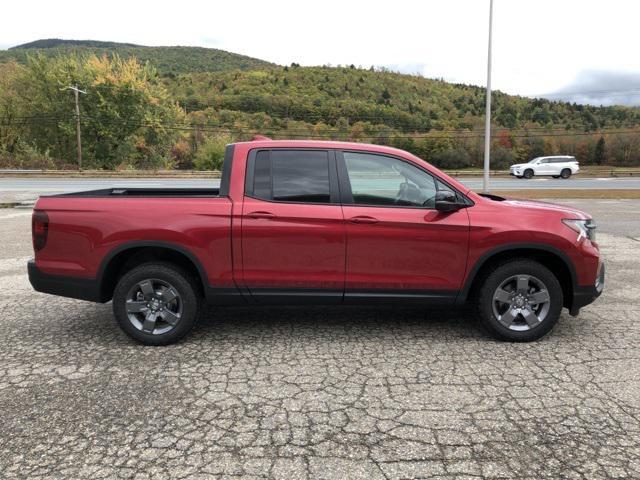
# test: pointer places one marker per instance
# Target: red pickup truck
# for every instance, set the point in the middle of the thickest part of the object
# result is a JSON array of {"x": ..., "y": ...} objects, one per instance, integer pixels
[{"x": 315, "y": 223}]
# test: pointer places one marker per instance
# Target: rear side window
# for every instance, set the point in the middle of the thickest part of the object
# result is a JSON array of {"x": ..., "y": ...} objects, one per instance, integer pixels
[
  {"x": 262, "y": 176},
  {"x": 292, "y": 176}
]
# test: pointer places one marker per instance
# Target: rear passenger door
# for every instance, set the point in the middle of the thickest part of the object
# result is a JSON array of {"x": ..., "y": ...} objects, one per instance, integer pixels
[{"x": 293, "y": 234}]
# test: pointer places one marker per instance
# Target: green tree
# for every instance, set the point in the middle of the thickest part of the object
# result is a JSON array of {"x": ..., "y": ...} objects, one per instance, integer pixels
[
  {"x": 124, "y": 113},
  {"x": 599, "y": 153},
  {"x": 385, "y": 96},
  {"x": 11, "y": 111}
]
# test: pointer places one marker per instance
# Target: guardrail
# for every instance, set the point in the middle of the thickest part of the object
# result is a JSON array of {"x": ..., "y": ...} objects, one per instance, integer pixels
[
  {"x": 625, "y": 173},
  {"x": 111, "y": 173},
  {"x": 614, "y": 172}
]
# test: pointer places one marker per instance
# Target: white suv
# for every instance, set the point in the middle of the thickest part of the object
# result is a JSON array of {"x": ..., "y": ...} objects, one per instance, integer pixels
[{"x": 560, "y": 166}]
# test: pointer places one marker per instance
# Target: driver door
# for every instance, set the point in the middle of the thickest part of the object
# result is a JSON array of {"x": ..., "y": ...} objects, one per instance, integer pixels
[{"x": 397, "y": 243}]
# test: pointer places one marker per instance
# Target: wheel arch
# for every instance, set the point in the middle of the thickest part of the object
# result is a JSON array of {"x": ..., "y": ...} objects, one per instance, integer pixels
[
  {"x": 550, "y": 257},
  {"x": 128, "y": 255}
]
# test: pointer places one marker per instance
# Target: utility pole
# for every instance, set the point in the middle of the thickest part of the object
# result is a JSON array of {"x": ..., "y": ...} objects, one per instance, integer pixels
[
  {"x": 76, "y": 92},
  {"x": 487, "y": 115}
]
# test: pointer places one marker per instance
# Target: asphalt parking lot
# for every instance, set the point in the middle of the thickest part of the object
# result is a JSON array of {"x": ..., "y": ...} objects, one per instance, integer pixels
[{"x": 299, "y": 393}]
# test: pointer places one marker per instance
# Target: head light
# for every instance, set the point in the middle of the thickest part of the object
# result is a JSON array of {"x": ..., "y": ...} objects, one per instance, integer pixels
[{"x": 584, "y": 228}]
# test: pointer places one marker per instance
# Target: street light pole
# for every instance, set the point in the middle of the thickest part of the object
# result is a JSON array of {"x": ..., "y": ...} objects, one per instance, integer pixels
[
  {"x": 487, "y": 116},
  {"x": 77, "y": 91}
]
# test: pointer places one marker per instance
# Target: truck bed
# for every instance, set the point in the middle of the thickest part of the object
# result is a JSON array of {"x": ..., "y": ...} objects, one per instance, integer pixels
[{"x": 143, "y": 192}]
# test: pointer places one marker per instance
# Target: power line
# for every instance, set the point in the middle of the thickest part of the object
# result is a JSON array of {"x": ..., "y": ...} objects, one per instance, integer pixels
[
  {"x": 306, "y": 133},
  {"x": 525, "y": 131},
  {"x": 532, "y": 129},
  {"x": 298, "y": 132}
]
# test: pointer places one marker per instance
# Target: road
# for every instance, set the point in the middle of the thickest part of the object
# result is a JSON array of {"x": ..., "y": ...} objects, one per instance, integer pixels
[
  {"x": 617, "y": 217},
  {"x": 331, "y": 393},
  {"x": 32, "y": 187}
]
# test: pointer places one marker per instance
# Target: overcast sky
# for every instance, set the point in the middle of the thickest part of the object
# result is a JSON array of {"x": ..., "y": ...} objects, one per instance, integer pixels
[{"x": 588, "y": 50}]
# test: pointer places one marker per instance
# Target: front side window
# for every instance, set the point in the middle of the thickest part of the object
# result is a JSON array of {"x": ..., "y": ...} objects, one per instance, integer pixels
[
  {"x": 292, "y": 176},
  {"x": 386, "y": 181}
]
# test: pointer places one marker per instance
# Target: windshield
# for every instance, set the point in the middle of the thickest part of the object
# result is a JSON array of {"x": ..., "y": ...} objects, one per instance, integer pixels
[{"x": 534, "y": 160}]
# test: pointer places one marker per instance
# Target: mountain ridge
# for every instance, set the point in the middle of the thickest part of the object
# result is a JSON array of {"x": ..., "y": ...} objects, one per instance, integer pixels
[
  {"x": 56, "y": 42},
  {"x": 168, "y": 60}
]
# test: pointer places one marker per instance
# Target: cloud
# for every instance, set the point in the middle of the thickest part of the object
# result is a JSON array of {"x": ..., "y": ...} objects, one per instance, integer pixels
[
  {"x": 412, "y": 68},
  {"x": 601, "y": 87},
  {"x": 213, "y": 42}
]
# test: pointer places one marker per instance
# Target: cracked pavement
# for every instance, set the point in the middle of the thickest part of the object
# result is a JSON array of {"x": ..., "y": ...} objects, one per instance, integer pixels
[{"x": 320, "y": 393}]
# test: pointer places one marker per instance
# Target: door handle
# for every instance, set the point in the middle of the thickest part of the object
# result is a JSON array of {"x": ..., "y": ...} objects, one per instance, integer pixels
[
  {"x": 363, "y": 219},
  {"x": 261, "y": 214}
]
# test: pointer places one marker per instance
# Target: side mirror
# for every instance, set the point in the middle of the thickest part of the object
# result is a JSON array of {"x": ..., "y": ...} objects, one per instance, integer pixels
[{"x": 447, "y": 201}]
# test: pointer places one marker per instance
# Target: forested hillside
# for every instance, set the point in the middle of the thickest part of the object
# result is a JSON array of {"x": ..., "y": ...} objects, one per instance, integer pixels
[
  {"x": 167, "y": 60},
  {"x": 172, "y": 109},
  {"x": 408, "y": 103}
]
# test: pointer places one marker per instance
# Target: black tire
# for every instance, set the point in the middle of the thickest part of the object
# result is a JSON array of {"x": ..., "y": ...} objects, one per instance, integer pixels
[
  {"x": 528, "y": 174},
  {"x": 485, "y": 301},
  {"x": 555, "y": 176},
  {"x": 188, "y": 296},
  {"x": 565, "y": 173}
]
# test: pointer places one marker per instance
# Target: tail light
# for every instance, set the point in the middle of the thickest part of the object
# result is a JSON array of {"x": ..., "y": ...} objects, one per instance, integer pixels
[{"x": 39, "y": 229}]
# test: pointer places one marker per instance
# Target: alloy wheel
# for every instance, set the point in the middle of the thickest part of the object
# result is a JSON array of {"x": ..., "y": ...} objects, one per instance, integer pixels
[
  {"x": 154, "y": 306},
  {"x": 521, "y": 302}
]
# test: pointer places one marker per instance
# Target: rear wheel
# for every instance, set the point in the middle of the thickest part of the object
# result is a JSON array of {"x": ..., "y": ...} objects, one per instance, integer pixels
[
  {"x": 528, "y": 173},
  {"x": 555, "y": 176},
  {"x": 520, "y": 301},
  {"x": 566, "y": 173},
  {"x": 156, "y": 303}
]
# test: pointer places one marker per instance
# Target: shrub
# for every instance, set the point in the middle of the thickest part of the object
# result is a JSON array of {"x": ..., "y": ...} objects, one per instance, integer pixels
[
  {"x": 27, "y": 156},
  {"x": 457, "y": 158},
  {"x": 181, "y": 154},
  {"x": 502, "y": 158},
  {"x": 210, "y": 154}
]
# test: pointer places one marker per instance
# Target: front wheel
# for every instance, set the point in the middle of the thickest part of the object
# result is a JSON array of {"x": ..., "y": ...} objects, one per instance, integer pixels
[
  {"x": 156, "y": 303},
  {"x": 566, "y": 173},
  {"x": 528, "y": 174},
  {"x": 520, "y": 301}
]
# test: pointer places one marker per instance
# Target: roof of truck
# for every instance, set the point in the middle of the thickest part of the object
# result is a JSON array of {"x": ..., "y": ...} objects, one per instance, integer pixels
[{"x": 268, "y": 143}]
